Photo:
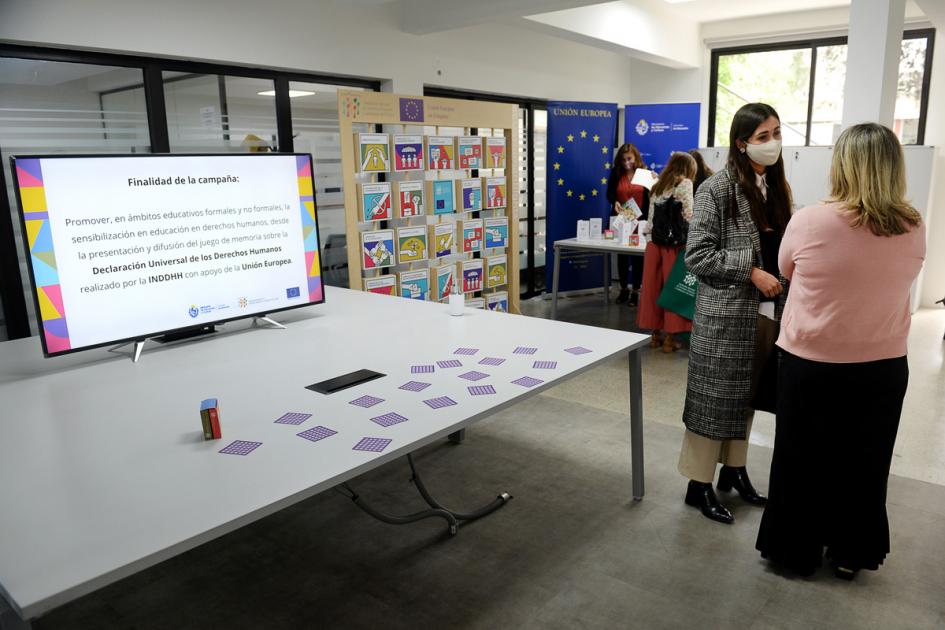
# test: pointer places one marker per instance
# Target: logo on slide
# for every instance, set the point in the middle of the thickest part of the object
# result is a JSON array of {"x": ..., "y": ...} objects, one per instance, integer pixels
[
  {"x": 642, "y": 127},
  {"x": 193, "y": 311},
  {"x": 243, "y": 302},
  {"x": 292, "y": 292}
]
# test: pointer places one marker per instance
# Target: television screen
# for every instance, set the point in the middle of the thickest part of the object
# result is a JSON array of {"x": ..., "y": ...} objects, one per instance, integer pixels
[{"x": 129, "y": 247}]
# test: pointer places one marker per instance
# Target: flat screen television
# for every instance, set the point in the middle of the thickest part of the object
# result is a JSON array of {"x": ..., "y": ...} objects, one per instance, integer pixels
[{"x": 124, "y": 248}]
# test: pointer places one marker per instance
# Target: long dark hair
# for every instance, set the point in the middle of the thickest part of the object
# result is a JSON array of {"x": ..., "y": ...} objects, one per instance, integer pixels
[
  {"x": 703, "y": 172},
  {"x": 746, "y": 121}
]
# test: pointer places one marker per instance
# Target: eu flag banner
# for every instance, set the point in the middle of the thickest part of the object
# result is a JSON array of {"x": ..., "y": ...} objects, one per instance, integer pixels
[
  {"x": 581, "y": 139},
  {"x": 658, "y": 130}
]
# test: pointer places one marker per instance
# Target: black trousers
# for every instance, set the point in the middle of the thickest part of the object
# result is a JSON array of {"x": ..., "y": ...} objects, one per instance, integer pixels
[
  {"x": 836, "y": 428},
  {"x": 628, "y": 264}
]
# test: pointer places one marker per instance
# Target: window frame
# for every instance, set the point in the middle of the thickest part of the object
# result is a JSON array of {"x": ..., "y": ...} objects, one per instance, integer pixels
[
  {"x": 12, "y": 291},
  {"x": 812, "y": 44}
]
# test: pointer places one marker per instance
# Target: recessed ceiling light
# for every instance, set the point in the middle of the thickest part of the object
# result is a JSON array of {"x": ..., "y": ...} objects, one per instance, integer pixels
[{"x": 292, "y": 93}]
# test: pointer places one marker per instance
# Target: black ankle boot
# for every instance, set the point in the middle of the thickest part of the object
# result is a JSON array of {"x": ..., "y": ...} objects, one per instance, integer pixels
[
  {"x": 737, "y": 478},
  {"x": 702, "y": 496},
  {"x": 623, "y": 296}
]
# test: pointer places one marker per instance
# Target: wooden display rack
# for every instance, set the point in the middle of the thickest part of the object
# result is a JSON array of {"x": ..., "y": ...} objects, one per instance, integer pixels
[{"x": 426, "y": 116}]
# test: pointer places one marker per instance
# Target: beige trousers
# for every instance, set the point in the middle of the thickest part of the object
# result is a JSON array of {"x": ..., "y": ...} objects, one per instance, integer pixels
[{"x": 699, "y": 454}]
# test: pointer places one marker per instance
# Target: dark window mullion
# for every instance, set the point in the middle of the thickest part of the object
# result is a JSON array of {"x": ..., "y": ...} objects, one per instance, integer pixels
[
  {"x": 926, "y": 83},
  {"x": 284, "y": 116},
  {"x": 810, "y": 94},
  {"x": 157, "y": 111},
  {"x": 530, "y": 231}
]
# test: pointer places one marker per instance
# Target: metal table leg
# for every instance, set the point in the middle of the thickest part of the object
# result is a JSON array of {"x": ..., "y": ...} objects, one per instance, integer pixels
[
  {"x": 636, "y": 424},
  {"x": 554, "y": 282}
]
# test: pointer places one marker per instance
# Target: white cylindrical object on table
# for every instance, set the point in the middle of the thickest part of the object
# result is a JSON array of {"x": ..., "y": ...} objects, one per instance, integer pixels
[{"x": 457, "y": 302}]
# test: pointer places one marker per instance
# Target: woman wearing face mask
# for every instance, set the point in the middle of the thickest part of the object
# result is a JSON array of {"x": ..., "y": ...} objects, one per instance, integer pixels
[
  {"x": 619, "y": 191},
  {"x": 740, "y": 216}
]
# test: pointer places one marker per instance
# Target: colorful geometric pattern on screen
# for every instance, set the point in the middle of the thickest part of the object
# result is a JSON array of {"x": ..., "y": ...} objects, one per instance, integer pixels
[
  {"x": 29, "y": 175},
  {"x": 309, "y": 230}
]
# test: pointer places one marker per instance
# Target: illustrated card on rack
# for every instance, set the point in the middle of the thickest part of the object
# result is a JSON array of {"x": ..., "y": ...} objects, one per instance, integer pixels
[
  {"x": 495, "y": 192},
  {"x": 496, "y": 232},
  {"x": 469, "y": 151},
  {"x": 440, "y": 153},
  {"x": 411, "y": 244},
  {"x": 385, "y": 285},
  {"x": 469, "y": 195},
  {"x": 377, "y": 247},
  {"x": 472, "y": 235},
  {"x": 445, "y": 279},
  {"x": 373, "y": 152},
  {"x": 498, "y": 302},
  {"x": 471, "y": 271},
  {"x": 496, "y": 271},
  {"x": 415, "y": 284},
  {"x": 410, "y": 199},
  {"x": 408, "y": 153},
  {"x": 476, "y": 303},
  {"x": 375, "y": 201},
  {"x": 440, "y": 196},
  {"x": 495, "y": 152},
  {"x": 442, "y": 235}
]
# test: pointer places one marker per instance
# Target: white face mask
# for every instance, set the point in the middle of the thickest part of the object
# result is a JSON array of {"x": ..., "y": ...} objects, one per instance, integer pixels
[{"x": 765, "y": 154}]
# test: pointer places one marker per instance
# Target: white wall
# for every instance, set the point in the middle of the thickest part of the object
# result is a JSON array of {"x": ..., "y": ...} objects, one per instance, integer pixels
[{"x": 326, "y": 36}]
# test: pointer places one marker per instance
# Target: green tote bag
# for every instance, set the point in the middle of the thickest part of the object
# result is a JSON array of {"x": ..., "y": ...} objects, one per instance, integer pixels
[{"x": 679, "y": 293}]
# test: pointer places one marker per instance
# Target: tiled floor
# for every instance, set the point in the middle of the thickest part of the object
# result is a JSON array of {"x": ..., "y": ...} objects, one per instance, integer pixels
[{"x": 571, "y": 550}]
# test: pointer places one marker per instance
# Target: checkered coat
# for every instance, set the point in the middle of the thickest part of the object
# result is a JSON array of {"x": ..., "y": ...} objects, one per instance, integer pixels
[{"x": 722, "y": 252}]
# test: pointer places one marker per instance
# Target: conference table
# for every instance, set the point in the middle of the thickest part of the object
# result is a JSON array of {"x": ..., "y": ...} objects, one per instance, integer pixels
[
  {"x": 104, "y": 466},
  {"x": 571, "y": 248}
]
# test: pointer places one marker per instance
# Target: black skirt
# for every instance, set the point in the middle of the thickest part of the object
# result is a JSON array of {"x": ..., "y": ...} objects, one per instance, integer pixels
[{"x": 836, "y": 428}]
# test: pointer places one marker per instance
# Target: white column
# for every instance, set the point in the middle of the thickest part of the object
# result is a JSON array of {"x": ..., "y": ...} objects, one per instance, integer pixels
[{"x": 873, "y": 61}]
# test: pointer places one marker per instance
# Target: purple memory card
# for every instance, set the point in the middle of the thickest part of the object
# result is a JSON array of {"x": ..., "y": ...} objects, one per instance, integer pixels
[{"x": 240, "y": 447}]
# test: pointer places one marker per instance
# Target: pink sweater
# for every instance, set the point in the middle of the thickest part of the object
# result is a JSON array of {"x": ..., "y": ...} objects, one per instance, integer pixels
[{"x": 849, "y": 295}]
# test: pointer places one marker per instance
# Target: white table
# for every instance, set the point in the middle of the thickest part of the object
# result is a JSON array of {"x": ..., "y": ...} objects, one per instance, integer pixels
[
  {"x": 573, "y": 248},
  {"x": 105, "y": 471}
]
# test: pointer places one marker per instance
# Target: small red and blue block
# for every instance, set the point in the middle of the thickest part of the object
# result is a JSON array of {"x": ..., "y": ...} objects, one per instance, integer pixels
[{"x": 210, "y": 417}]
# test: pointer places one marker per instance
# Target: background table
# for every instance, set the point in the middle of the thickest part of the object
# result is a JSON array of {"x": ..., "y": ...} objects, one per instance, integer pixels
[
  {"x": 573, "y": 248},
  {"x": 105, "y": 471}
]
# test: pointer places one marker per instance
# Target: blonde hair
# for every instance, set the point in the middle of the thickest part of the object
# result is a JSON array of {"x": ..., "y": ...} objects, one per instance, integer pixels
[
  {"x": 680, "y": 166},
  {"x": 868, "y": 177}
]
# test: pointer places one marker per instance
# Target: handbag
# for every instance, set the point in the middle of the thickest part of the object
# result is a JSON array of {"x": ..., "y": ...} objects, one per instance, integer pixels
[
  {"x": 766, "y": 391},
  {"x": 668, "y": 225},
  {"x": 679, "y": 292}
]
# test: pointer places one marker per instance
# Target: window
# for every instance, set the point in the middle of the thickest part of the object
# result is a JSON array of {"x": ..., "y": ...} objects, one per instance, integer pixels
[{"x": 809, "y": 96}]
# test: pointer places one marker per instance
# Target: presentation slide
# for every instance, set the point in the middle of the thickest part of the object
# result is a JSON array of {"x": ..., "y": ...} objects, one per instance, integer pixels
[{"x": 124, "y": 247}]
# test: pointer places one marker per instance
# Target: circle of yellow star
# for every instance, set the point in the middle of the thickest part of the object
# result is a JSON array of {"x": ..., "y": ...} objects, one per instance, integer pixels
[
  {"x": 570, "y": 137},
  {"x": 603, "y": 180},
  {"x": 603, "y": 149},
  {"x": 594, "y": 192},
  {"x": 596, "y": 137},
  {"x": 560, "y": 149},
  {"x": 560, "y": 182},
  {"x": 583, "y": 134},
  {"x": 570, "y": 193},
  {"x": 581, "y": 196},
  {"x": 557, "y": 166},
  {"x": 606, "y": 165}
]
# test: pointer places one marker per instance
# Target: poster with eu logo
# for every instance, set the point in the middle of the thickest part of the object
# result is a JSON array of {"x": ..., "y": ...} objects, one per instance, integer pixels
[
  {"x": 658, "y": 130},
  {"x": 581, "y": 139}
]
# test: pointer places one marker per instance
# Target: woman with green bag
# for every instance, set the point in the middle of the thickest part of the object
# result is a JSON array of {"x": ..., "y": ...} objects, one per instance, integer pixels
[{"x": 741, "y": 214}]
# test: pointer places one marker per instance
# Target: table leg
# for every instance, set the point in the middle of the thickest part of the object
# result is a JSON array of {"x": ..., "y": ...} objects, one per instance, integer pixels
[
  {"x": 554, "y": 283},
  {"x": 9, "y": 620},
  {"x": 457, "y": 437},
  {"x": 636, "y": 424},
  {"x": 606, "y": 278}
]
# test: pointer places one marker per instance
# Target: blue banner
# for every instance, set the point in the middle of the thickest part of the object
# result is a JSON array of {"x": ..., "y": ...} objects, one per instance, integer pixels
[
  {"x": 581, "y": 138},
  {"x": 658, "y": 130}
]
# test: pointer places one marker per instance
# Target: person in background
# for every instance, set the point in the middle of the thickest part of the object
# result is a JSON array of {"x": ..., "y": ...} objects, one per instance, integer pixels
[
  {"x": 703, "y": 172},
  {"x": 843, "y": 372},
  {"x": 741, "y": 214},
  {"x": 619, "y": 191},
  {"x": 675, "y": 183}
]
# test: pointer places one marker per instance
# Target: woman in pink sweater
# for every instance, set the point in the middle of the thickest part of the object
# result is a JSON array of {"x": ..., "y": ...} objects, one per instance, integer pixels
[{"x": 843, "y": 370}]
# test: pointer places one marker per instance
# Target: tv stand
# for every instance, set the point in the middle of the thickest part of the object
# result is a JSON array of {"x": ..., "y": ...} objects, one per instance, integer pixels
[
  {"x": 265, "y": 319},
  {"x": 187, "y": 333}
]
